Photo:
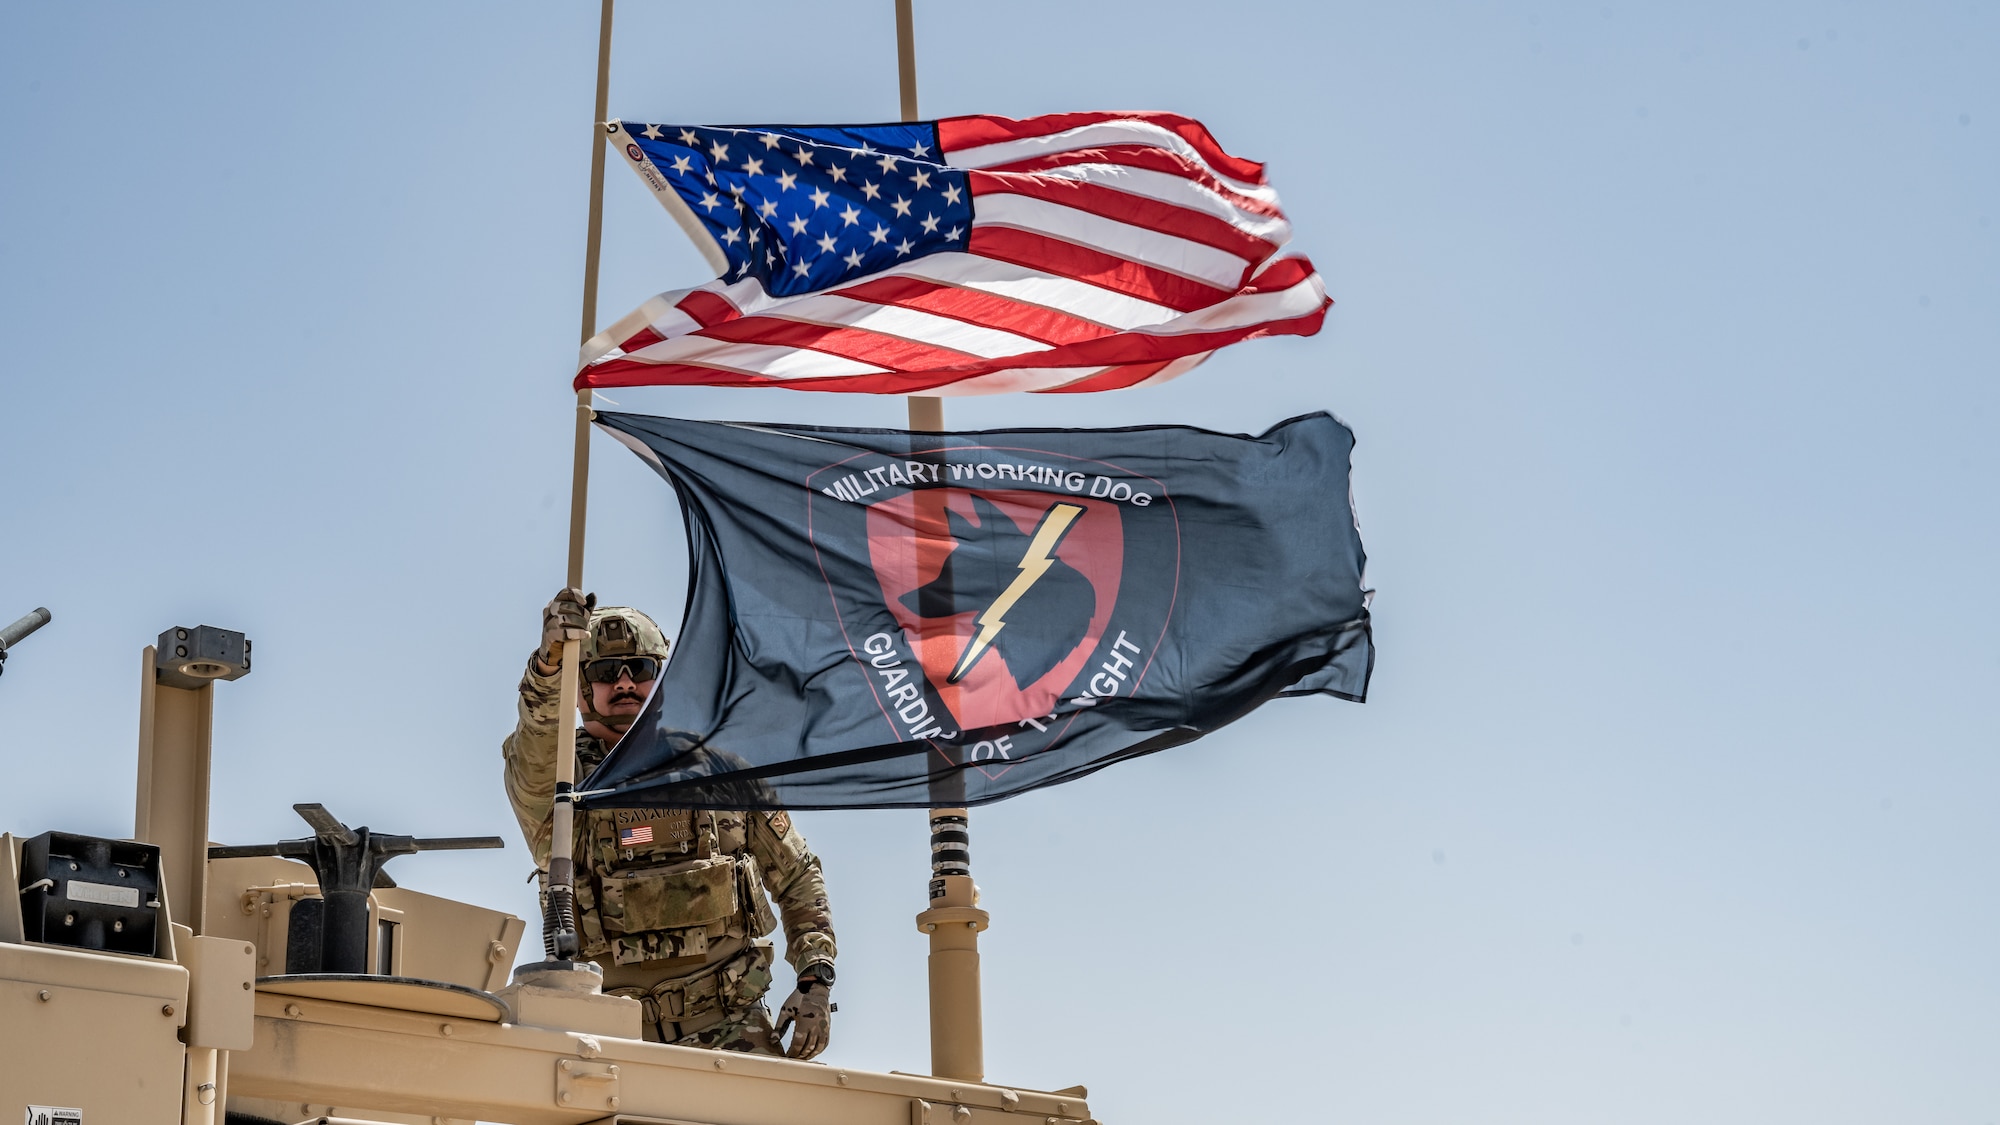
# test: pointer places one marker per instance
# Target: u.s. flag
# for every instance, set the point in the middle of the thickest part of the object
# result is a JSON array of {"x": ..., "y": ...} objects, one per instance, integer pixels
[
  {"x": 969, "y": 255},
  {"x": 640, "y": 835}
]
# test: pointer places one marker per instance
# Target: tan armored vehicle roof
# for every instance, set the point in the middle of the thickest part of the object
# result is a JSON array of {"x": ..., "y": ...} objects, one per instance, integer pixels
[{"x": 207, "y": 1025}]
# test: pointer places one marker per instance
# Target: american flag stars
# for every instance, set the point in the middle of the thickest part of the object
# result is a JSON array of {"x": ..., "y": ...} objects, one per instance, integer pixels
[{"x": 802, "y": 210}]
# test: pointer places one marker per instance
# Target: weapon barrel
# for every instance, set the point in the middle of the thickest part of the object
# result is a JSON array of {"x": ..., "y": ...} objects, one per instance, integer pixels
[
  {"x": 17, "y": 632},
  {"x": 459, "y": 843},
  {"x": 246, "y": 851}
]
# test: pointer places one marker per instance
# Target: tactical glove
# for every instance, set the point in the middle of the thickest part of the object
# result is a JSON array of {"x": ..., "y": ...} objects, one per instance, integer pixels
[
  {"x": 811, "y": 1009},
  {"x": 565, "y": 618}
]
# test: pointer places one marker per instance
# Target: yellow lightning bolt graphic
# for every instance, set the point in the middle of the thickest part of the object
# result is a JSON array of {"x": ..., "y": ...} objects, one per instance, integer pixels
[{"x": 1035, "y": 562}]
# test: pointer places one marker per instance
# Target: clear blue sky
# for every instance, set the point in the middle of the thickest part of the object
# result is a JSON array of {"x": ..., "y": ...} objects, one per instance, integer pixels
[{"x": 1669, "y": 333}]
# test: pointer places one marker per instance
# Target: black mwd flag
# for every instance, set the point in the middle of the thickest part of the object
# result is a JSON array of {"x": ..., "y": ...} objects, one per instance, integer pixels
[{"x": 882, "y": 619}]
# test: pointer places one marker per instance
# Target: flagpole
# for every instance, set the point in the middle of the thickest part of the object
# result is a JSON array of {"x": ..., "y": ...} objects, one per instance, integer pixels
[
  {"x": 926, "y": 412},
  {"x": 954, "y": 919},
  {"x": 559, "y": 936}
]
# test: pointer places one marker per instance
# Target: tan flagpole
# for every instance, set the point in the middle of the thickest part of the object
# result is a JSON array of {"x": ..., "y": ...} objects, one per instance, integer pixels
[
  {"x": 559, "y": 925},
  {"x": 954, "y": 919},
  {"x": 926, "y": 413}
]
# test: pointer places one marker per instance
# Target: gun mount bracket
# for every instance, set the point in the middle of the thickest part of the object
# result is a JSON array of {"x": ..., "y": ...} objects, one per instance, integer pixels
[{"x": 348, "y": 862}]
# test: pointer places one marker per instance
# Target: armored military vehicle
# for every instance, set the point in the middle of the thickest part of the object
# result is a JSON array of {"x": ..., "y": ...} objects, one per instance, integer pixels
[{"x": 163, "y": 979}]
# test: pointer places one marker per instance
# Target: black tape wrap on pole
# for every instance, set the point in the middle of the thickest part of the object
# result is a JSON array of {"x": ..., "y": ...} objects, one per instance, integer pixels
[{"x": 951, "y": 843}]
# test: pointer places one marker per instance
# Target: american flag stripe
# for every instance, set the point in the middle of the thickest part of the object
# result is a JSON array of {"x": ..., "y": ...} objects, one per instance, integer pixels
[
  {"x": 889, "y": 352},
  {"x": 955, "y": 281},
  {"x": 1175, "y": 206},
  {"x": 1037, "y": 289},
  {"x": 889, "y": 332},
  {"x": 1077, "y": 262},
  {"x": 1285, "y": 290},
  {"x": 1163, "y": 247},
  {"x": 755, "y": 365},
  {"x": 1112, "y": 250},
  {"x": 845, "y": 311},
  {"x": 708, "y": 309},
  {"x": 1285, "y": 293},
  {"x": 974, "y": 338},
  {"x": 1150, "y": 162},
  {"x": 831, "y": 348},
  {"x": 1130, "y": 375},
  {"x": 983, "y": 140},
  {"x": 1029, "y": 321}
]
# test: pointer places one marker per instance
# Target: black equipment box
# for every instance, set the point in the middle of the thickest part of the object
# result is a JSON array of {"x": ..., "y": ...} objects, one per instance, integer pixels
[{"x": 92, "y": 893}]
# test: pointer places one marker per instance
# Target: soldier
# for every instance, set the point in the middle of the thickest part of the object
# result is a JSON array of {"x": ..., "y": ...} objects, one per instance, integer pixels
[{"x": 670, "y": 902}]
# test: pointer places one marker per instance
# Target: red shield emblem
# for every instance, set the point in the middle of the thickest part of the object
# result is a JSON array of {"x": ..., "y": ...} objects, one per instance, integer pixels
[
  {"x": 1002, "y": 594},
  {"x": 995, "y": 593}
]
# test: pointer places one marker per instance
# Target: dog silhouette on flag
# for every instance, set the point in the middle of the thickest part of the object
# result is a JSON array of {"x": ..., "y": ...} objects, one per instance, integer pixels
[{"x": 1031, "y": 607}]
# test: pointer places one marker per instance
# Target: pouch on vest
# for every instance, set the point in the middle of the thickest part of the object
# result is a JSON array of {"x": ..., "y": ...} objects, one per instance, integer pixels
[
  {"x": 698, "y": 894},
  {"x": 745, "y": 981},
  {"x": 589, "y": 929},
  {"x": 750, "y": 889}
]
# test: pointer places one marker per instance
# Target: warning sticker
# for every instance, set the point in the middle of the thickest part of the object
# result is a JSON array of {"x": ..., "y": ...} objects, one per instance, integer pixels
[
  {"x": 54, "y": 1115},
  {"x": 106, "y": 893}
]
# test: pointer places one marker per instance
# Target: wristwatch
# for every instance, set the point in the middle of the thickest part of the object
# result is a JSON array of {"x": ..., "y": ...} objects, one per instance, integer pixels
[{"x": 819, "y": 971}]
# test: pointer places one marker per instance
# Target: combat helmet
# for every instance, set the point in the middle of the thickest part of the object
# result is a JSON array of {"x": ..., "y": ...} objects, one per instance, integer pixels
[{"x": 617, "y": 630}]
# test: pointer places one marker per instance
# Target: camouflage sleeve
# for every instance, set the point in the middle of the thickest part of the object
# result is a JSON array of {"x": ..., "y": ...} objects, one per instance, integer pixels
[
  {"x": 792, "y": 875},
  {"x": 530, "y": 756}
]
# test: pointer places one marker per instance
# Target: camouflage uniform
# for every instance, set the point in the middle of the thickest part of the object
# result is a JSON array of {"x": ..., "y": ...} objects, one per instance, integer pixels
[{"x": 674, "y": 909}]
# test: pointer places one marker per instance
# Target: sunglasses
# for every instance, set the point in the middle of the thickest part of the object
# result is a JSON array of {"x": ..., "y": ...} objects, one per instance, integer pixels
[{"x": 642, "y": 669}]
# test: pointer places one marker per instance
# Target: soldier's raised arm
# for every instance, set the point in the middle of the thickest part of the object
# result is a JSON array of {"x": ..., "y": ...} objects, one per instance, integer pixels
[{"x": 529, "y": 753}]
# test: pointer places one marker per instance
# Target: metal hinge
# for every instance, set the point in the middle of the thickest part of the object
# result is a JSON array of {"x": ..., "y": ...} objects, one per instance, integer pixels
[{"x": 586, "y": 1085}]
